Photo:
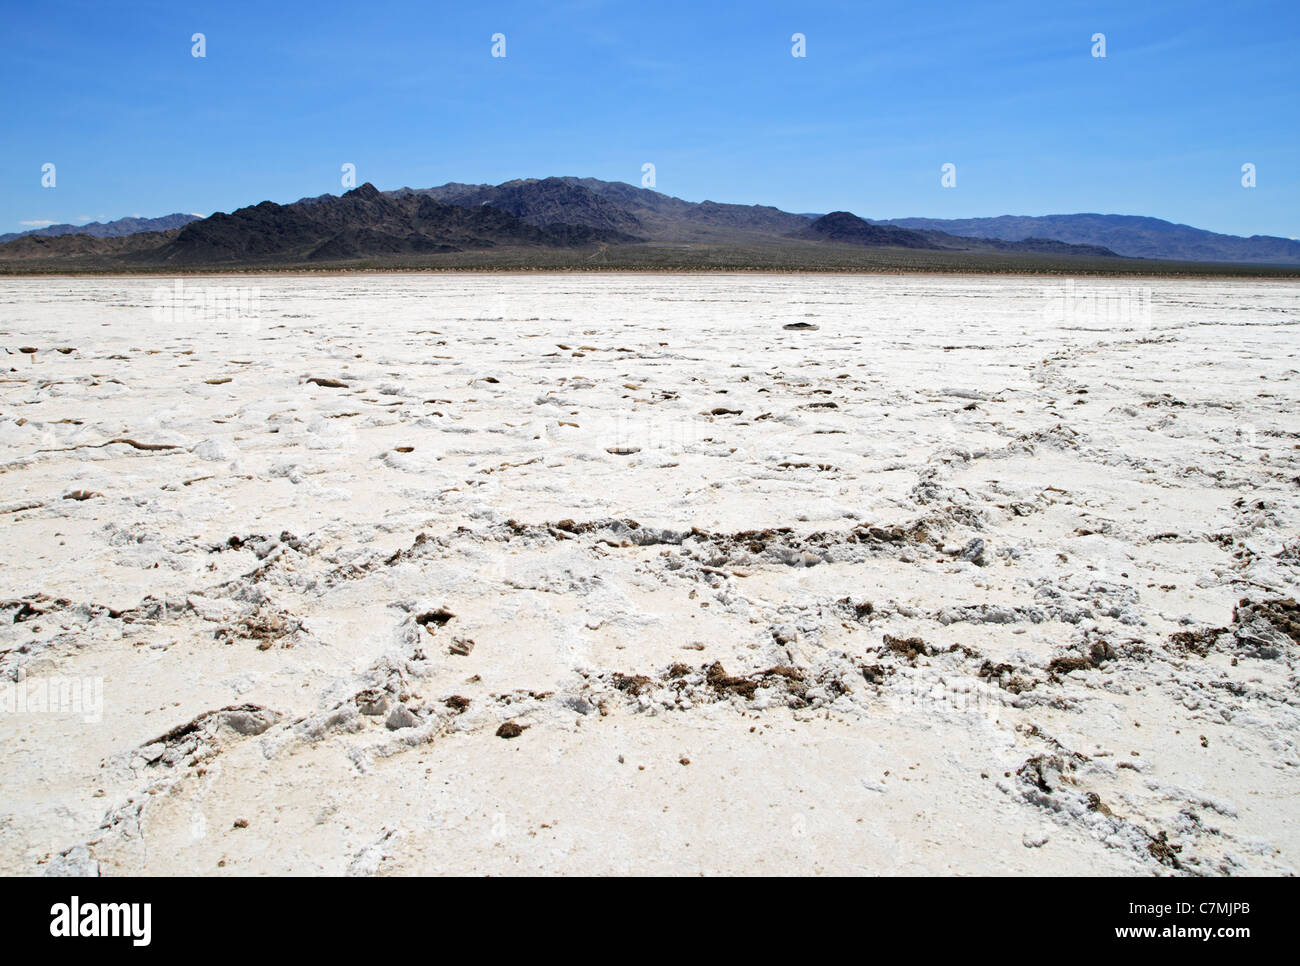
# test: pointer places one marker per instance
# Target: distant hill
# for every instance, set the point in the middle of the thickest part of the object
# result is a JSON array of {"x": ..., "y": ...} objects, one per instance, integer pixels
[
  {"x": 622, "y": 207},
  {"x": 544, "y": 203},
  {"x": 39, "y": 248},
  {"x": 108, "y": 229},
  {"x": 849, "y": 229},
  {"x": 1131, "y": 235},
  {"x": 672, "y": 219},
  {"x": 361, "y": 223}
]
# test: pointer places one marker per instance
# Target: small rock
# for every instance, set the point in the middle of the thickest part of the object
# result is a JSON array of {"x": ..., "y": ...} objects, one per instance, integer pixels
[
  {"x": 576, "y": 702},
  {"x": 75, "y": 862},
  {"x": 784, "y": 634},
  {"x": 372, "y": 702},
  {"x": 1034, "y": 840},
  {"x": 401, "y": 717},
  {"x": 974, "y": 551}
]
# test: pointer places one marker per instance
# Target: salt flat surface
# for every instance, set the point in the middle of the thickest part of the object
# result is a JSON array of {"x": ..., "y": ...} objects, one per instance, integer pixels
[{"x": 943, "y": 585}]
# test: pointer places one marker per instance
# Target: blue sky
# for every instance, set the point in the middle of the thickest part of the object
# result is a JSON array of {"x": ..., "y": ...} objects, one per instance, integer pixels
[{"x": 709, "y": 92}]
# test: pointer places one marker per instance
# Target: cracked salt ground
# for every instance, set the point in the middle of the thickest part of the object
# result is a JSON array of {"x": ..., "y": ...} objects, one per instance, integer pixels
[{"x": 378, "y": 588}]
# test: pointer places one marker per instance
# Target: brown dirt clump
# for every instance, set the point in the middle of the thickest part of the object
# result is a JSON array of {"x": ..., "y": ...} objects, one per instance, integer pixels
[
  {"x": 1197, "y": 642},
  {"x": 861, "y": 609},
  {"x": 1164, "y": 851},
  {"x": 437, "y": 618},
  {"x": 874, "y": 673},
  {"x": 1064, "y": 665},
  {"x": 633, "y": 684},
  {"x": 267, "y": 628},
  {"x": 1282, "y": 612},
  {"x": 785, "y": 671},
  {"x": 1004, "y": 676},
  {"x": 1033, "y": 771},
  {"x": 909, "y": 647},
  {"x": 1095, "y": 804},
  {"x": 722, "y": 682},
  {"x": 1097, "y": 655}
]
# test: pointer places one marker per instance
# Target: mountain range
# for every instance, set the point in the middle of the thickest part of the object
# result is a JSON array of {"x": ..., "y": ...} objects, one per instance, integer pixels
[
  {"x": 1132, "y": 235},
  {"x": 587, "y": 218},
  {"x": 107, "y": 229},
  {"x": 366, "y": 222}
]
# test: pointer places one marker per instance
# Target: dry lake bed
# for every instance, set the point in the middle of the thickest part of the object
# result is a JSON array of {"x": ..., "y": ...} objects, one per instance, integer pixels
[{"x": 649, "y": 574}]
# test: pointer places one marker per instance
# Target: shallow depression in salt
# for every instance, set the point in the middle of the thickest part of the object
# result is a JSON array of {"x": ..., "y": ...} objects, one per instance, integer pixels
[{"x": 649, "y": 573}]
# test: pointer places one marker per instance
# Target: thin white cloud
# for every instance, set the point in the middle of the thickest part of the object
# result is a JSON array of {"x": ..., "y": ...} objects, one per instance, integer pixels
[{"x": 37, "y": 223}]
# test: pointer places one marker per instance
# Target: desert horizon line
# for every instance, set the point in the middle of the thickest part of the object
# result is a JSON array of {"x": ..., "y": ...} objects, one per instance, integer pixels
[{"x": 37, "y": 225}]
